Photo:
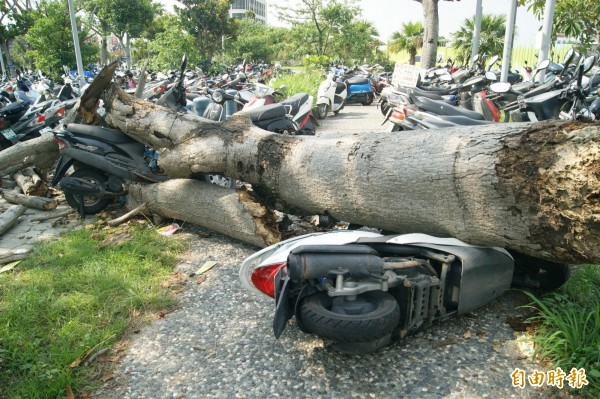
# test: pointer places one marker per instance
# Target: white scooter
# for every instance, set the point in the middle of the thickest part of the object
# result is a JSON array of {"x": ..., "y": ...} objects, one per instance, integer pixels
[{"x": 331, "y": 96}]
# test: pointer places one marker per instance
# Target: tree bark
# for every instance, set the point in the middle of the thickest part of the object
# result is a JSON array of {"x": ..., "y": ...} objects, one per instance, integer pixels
[
  {"x": 431, "y": 22},
  {"x": 236, "y": 214},
  {"x": 533, "y": 188},
  {"x": 41, "y": 152},
  {"x": 10, "y": 217},
  {"x": 44, "y": 204}
]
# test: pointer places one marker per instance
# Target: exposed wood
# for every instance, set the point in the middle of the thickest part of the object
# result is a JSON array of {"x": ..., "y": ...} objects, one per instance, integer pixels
[
  {"x": 141, "y": 84},
  {"x": 234, "y": 213},
  {"x": 461, "y": 183},
  {"x": 134, "y": 212},
  {"x": 41, "y": 152},
  {"x": 10, "y": 217},
  {"x": 41, "y": 203},
  {"x": 30, "y": 183},
  {"x": 85, "y": 109},
  {"x": 53, "y": 215},
  {"x": 14, "y": 255}
]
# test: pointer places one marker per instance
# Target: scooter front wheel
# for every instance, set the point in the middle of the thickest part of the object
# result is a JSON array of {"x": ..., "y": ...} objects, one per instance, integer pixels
[
  {"x": 372, "y": 315},
  {"x": 322, "y": 111},
  {"x": 91, "y": 205}
]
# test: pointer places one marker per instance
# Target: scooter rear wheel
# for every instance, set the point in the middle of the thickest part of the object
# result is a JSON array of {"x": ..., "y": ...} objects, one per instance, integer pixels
[
  {"x": 91, "y": 205},
  {"x": 373, "y": 315}
]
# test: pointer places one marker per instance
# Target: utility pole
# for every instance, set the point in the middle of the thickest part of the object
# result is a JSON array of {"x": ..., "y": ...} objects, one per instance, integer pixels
[
  {"x": 76, "y": 44},
  {"x": 546, "y": 34},
  {"x": 477, "y": 32},
  {"x": 508, "y": 40}
]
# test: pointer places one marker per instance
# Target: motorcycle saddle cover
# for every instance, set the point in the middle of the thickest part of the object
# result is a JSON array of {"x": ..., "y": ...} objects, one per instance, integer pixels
[
  {"x": 295, "y": 101},
  {"x": 443, "y": 108},
  {"x": 358, "y": 81},
  {"x": 266, "y": 112}
]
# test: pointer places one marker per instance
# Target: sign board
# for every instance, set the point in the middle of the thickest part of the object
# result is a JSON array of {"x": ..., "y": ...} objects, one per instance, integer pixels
[{"x": 405, "y": 75}]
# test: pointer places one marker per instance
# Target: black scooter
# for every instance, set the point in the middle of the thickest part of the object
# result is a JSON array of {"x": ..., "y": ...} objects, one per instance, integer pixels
[{"x": 105, "y": 159}]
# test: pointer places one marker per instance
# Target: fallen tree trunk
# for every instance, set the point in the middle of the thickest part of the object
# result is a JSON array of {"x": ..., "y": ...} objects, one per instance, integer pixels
[
  {"x": 533, "y": 188},
  {"x": 10, "y": 217},
  {"x": 44, "y": 204},
  {"x": 41, "y": 152},
  {"x": 233, "y": 213}
]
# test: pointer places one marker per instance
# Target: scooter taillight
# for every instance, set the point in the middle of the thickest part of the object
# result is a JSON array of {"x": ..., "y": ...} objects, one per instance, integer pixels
[
  {"x": 60, "y": 112},
  {"x": 61, "y": 144},
  {"x": 263, "y": 278}
]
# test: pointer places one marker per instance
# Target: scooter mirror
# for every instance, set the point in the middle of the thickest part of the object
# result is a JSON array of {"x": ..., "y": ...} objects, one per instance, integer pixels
[
  {"x": 569, "y": 56},
  {"x": 446, "y": 77},
  {"x": 183, "y": 63},
  {"x": 282, "y": 89},
  {"x": 489, "y": 75},
  {"x": 588, "y": 63},
  {"x": 500, "y": 87},
  {"x": 493, "y": 61},
  {"x": 543, "y": 65},
  {"x": 476, "y": 58}
]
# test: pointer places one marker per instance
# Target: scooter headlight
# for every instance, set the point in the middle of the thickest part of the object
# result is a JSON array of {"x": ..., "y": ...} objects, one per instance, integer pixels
[{"x": 217, "y": 96}]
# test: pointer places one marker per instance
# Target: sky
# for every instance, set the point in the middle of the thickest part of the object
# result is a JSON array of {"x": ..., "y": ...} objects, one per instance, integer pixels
[{"x": 388, "y": 16}]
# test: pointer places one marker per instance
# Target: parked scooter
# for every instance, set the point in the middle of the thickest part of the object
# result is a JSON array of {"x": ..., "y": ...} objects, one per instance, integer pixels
[
  {"x": 330, "y": 96},
  {"x": 360, "y": 90},
  {"x": 360, "y": 289},
  {"x": 562, "y": 103}
]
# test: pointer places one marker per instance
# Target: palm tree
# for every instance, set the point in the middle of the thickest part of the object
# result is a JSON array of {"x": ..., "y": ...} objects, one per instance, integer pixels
[
  {"x": 410, "y": 39},
  {"x": 491, "y": 39}
]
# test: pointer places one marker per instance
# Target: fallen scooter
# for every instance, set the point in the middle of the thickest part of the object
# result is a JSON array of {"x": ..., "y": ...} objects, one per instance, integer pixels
[{"x": 361, "y": 290}]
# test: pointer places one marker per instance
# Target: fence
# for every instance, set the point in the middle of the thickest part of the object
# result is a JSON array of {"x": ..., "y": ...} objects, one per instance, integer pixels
[{"x": 518, "y": 58}]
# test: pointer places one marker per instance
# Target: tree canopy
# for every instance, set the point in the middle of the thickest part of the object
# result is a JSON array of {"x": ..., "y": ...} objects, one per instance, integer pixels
[
  {"x": 491, "y": 38},
  {"x": 578, "y": 19},
  {"x": 409, "y": 39}
]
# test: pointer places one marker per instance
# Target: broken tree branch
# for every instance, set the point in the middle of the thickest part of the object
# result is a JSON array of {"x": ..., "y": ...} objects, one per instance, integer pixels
[
  {"x": 41, "y": 203},
  {"x": 10, "y": 217},
  {"x": 137, "y": 211}
]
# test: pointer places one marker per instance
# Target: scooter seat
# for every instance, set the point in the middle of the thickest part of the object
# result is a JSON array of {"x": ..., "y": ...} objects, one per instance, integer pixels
[
  {"x": 434, "y": 95},
  {"x": 358, "y": 81},
  {"x": 265, "y": 112},
  {"x": 295, "y": 102},
  {"x": 111, "y": 135},
  {"x": 443, "y": 108}
]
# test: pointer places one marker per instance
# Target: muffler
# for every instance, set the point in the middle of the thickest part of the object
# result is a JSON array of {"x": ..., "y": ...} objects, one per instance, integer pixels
[
  {"x": 314, "y": 261},
  {"x": 83, "y": 187}
]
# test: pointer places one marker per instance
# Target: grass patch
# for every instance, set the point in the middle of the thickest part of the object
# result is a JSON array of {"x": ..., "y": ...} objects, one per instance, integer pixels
[
  {"x": 73, "y": 297},
  {"x": 569, "y": 326},
  {"x": 301, "y": 82}
]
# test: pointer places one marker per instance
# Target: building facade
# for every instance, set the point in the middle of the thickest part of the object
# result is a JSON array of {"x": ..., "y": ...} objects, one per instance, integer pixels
[{"x": 240, "y": 8}]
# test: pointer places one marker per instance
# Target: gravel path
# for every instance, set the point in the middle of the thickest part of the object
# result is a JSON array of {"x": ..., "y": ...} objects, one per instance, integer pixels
[{"x": 219, "y": 342}]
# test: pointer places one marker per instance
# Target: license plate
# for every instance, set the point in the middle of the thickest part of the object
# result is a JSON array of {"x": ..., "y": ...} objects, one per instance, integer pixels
[
  {"x": 8, "y": 134},
  {"x": 46, "y": 130}
]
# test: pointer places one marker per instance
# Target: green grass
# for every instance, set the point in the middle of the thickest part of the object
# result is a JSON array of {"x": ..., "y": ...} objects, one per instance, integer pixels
[
  {"x": 302, "y": 81},
  {"x": 71, "y": 299},
  {"x": 568, "y": 332}
]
